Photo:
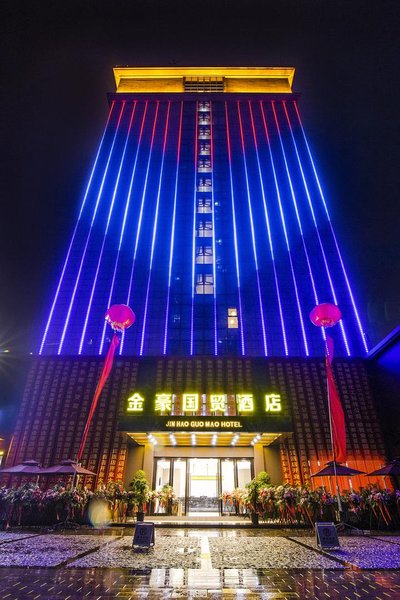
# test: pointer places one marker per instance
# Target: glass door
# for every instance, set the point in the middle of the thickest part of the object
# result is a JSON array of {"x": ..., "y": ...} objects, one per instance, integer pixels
[
  {"x": 163, "y": 467},
  {"x": 179, "y": 485},
  {"x": 203, "y": 488}
]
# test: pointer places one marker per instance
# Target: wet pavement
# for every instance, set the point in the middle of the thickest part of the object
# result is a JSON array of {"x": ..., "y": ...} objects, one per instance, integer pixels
[{"x": 225, "y": 564}]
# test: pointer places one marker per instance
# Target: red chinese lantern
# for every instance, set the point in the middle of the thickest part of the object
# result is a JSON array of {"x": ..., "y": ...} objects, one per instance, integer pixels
[
  {"x": 120, "y": 317},
  {"x": 325, "y": 315}
]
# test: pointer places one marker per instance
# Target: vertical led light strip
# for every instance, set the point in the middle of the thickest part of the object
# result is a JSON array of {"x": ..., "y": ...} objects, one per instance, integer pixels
[
  {"x": 285, "y": 231},
  {"x": 194, "y": 232},
  {"x": 234, "y": 231},
  {"x": 271, "y": 247},
  {"x": 153, "y": 239},
  {"x": 106, "y": 230},
  {"x": 252, "y": 232},
  {"x": 121, "y": 237},
  {"x": 316, "y": 229},
  {"x": 171, "y": 250},
  {"x": 214, "y": 234},
  {"x": 139, "y": 225},
  {"x": 90, "y": 231},
  {"x": 74, "y": 232},
  {"x": 292, "y": 193},
  {"x": 333, "y": 233}
]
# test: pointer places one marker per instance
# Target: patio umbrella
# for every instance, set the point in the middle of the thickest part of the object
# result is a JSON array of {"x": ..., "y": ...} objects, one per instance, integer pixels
[
  {"x": 27, "y": 467},
  {"x": 392, "y": 469},
  {"x": 335, "y": 468},
  {"x": 66, "y": 467}
]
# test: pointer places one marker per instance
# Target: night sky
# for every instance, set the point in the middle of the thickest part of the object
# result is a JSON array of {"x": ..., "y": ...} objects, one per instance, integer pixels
[{"x": 56, "y": 68}]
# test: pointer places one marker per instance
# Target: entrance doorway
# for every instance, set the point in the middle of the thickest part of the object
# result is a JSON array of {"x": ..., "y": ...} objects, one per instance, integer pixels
[
  {"x": 203, "y": 494},
  {"x": 199, "y": 482}
]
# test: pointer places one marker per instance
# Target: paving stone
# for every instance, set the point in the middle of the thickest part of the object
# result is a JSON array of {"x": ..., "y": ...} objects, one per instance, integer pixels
[
  {"x": 48, "y": 550},
  {"x": 171, "y": 552},
  {"x": 364, "y": 552},
  {"x": 266, "y": 553}
]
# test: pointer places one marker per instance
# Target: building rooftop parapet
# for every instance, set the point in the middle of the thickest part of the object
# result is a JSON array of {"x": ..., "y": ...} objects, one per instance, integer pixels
[{"x": 204, "y": 79}]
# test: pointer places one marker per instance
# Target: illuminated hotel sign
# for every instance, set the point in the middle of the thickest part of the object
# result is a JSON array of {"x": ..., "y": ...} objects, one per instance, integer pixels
[
  {"x": 193, "y": 402},
  {"x": 203, "y": 424}
]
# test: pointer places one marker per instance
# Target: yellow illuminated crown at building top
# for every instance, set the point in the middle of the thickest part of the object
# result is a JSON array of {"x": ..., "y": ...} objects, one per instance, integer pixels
[{"x": 270, "y": 80}]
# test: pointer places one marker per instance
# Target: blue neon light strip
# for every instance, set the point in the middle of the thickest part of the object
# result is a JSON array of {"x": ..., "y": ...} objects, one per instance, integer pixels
[
  {"x": 362, "y": 333},
  {"x": 153, "y": 240},
  {"x": 121, "y": 237},
  {"x": 172, "y": 244},
  {"x": 234, "y": 231},
  {"x": 293, "y": 195},
  {"x": 252, "y": 232},
  {"x": 90, "y": 231},
  {"x": 269, "y": 232},
  {"x": 213, "y": 237},
  {"x": 285, "y": 232},
  {"x": 106, "y": 230},
  {"x": 316, "y": 228},
  {"x": 194, "y": 232},
  {"x": 75, "y": 231},
  {"x": 139, "y": 225}
]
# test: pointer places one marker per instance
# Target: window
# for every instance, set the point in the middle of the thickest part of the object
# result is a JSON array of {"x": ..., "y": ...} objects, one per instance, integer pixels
[
  {"x": 204, "y": 185},
  {"x": 205, "y": 149},
  {"x": 205, "y": 283},
  {"x": 204, "y": 205},
  {"x": 205, "y": 229},
  {"x": 204, "y": 133},
  {"x": 204, "y": 118},
  {"x": 204, "y": 166},
  {"x": 204, "y": 84},
  {"x": 232, "y": 318},
  {"x": 204, "y": 255},
  {"x": 204, "y": 106}
]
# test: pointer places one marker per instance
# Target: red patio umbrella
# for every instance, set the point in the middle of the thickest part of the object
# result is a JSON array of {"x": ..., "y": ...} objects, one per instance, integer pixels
[{"x": 335, "y": 468}]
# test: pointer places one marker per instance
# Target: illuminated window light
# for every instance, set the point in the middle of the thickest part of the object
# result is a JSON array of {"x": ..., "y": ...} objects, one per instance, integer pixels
[
  {"x": 213, "y": 239},
  {"x": 139, "y": 225},
  {"x": 293, "y": 195},
  {"x": 172, "y": 244},
  {"x": 153, "y": 239},
  {"x": 234, "y": 230},
  {"x": 285, "y": 231},
  {"x": 316, "y": 229},
  {"x": 253, "y": 238},
  {"x": 362, "y": 333},
  {"x": 99, "y": 195},
  {"x": 271, "y": 247},
  {"x": 75, "y": 230},
  {"x": 197, "y": 132},
  {"x": 121, "y": 237},
  {"x": 116, "y": 185}
]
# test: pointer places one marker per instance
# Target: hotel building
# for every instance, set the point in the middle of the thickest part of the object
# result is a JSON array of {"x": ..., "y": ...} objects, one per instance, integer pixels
[{"x": 205, "y": 213}]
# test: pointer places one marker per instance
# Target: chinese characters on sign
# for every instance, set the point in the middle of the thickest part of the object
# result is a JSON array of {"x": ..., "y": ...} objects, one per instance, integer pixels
[
  {"x": 273, "y": 403},
  {"x": 166, "y": 403},
  {"x": 135, "y": 403}
]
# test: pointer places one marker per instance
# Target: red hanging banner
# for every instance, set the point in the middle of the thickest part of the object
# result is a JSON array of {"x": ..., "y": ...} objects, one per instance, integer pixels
[
  {"x": 108, "y": 363},
  {"x": 337, "y": 415}
]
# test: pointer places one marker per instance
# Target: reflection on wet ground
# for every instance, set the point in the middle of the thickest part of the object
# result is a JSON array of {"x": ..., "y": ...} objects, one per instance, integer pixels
[{"x": 196, "y": 564}]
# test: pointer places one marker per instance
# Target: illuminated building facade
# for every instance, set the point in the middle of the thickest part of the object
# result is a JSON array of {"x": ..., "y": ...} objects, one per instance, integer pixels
[{"x": 204, "y": 212}]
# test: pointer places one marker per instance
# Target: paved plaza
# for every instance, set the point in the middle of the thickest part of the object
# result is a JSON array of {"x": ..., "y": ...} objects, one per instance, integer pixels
[{"x": 196, "y": 563}]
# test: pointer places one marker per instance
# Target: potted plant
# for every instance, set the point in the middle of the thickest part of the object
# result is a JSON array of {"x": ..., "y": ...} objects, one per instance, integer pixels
[
  {"x": 139, "y": 495},
  {"x": 253, "y": 502},
  {"x": 167, "y": 498}
]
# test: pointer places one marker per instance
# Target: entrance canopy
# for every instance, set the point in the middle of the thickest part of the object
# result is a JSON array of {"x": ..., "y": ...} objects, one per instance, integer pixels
[{"x": 203, "y": 438}]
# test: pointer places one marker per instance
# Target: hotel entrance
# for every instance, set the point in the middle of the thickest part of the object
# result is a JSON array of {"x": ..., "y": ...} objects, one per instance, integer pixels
[{"x": 199, "y": 482}]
